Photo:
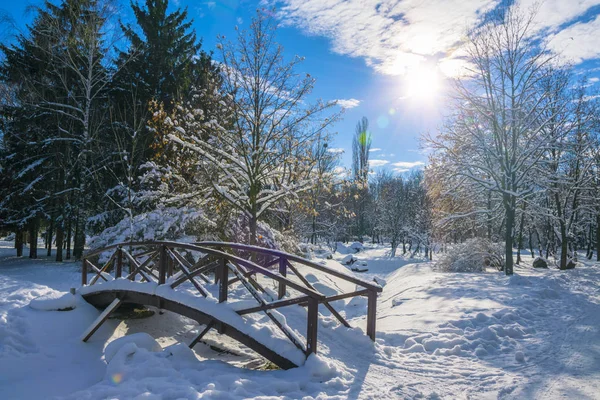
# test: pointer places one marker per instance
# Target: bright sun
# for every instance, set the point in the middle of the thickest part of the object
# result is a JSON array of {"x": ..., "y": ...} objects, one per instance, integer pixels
[{"x": 422, "y": 83}]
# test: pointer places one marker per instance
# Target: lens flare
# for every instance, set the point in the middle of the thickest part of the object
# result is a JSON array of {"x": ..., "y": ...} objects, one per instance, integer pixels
[{"x": 116, "y": 378}]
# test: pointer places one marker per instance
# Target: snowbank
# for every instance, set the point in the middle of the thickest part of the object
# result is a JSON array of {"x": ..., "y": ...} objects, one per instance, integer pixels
[
  {"x": 55, "y": 301},
  {"x": 130, "y": 344}
]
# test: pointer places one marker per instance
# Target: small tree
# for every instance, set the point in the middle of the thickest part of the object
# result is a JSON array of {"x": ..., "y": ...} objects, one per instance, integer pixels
[{"x": 251, "y": 157}]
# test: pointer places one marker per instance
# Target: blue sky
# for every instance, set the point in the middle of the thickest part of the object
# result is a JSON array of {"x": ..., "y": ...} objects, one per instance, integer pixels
[{"x": 388, "y": 60}]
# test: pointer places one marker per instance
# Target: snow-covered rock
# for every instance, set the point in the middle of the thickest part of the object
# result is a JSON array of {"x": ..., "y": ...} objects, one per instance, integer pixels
[
  {"x": 540, "y": 262},
  {"x": 130, "y": 344},
  {"x": 348, "y": 260},
  {"x": 342, "y": 248},
  {"x": 357, "y": 246}
]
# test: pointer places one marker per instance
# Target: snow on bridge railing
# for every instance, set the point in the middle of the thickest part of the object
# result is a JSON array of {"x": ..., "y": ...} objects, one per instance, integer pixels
[{"x": 162, "y": 262}]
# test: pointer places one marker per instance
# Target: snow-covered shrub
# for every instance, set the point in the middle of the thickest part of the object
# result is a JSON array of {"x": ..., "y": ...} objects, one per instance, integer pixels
[
  {"x": 474, "y": 255},
  {"x": 163, "y": 223}
]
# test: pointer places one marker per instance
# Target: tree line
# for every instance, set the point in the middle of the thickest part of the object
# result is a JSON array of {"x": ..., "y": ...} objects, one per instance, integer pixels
[
  {"x": 518, "y": 159},
  {"x": 114, "y": 131}
]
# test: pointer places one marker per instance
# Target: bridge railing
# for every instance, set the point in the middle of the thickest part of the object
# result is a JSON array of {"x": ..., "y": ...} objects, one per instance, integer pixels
[
  {"x": 163, "y": 263},
  {"x": 284, "y": 261}
]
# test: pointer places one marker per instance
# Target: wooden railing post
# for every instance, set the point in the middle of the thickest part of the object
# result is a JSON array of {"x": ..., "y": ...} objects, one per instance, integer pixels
[
  {"x": 131, "y": 268},
  {"x": 371, "y": 313},
  {"x": 223, "y": 274},
  {"x": 119, "y": 269},
  {"x": 84, "y": 268},
  {"x": 282, "y": 272},
  {"x": 162, "y": 265},
  {"x": 170, "y": 267},
  {"x": 311, "y": 329}
]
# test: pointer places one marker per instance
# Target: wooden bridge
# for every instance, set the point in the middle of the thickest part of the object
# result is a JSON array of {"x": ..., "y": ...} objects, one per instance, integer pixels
[{"x": 158, "y": 268}]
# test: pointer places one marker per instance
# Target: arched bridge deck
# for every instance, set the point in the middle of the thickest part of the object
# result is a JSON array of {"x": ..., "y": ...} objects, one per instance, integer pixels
[{"x": 194, "y": 280}]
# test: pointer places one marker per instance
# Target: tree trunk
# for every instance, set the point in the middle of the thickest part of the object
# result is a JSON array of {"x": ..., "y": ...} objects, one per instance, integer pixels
[
  {"x": 394, "y": 244},
  {"x": 590, "y": 243},
  {"x": 531, "y": 243},
  {"x": 489, "y": 216},
  {"x": 253, "y": 228},
  {"x": 598, "y": 237},
  {"x": 508, "y": 237},
  {"x": 564, "y": 245},
  {"x": 59, "y": 241},
  {"x": 520, "y": 236},
  {"x": 69, "y": 238},
  {"x": 79, "y": 242},
  {"x": 19, "y": 242},
  {"x": 33, "y": 237},
  {"x": 50, "y": 231}
]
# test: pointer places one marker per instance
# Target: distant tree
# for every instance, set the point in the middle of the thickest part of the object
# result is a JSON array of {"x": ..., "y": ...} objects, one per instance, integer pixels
[{"x": 361, "y": 145}]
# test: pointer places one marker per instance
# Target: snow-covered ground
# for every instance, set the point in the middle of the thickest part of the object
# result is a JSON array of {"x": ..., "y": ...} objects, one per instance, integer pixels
[{"x": 440, "y": 335}]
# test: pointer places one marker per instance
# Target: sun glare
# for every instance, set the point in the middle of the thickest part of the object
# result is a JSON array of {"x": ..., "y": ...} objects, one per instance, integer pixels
[{"x": 422, "y": 83}]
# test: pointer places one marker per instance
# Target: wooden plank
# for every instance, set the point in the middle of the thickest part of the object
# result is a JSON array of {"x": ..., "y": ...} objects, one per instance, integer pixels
[
  {"x": 101, "y": 318},
  {"x": 336, "y": 314},
  {"x": 84, "y": 272},
  {"x": 223, "y": 280},
  {"x": 201, "y": 334},
  {"x": 119, "y": 270},
  {"x": 274, "y": 305},
  {"x": 311, "y": 326},
  {"x": 372, "y": 314},
  {"x": 162, "y": 265},
  {"x": 198, "y": 287},
  {"x": 104, "y": 268},
  {"x": 98, "y": 271},
  {"x": 292, "y": 257},
  {"x": 261, "y": 301},
  {"x": 283, "y": 272},
  {"x": 342, "y": 296},
  {"x": 192, "y": 268},
  {"x": 139, "y": 268},
  {"x": 194, "y": 273}
]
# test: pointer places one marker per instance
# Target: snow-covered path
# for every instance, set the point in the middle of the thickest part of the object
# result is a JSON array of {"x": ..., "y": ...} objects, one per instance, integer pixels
[{"x": 467, "y": 336}]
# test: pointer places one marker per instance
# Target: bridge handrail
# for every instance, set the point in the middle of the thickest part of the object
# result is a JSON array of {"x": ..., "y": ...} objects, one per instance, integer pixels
[
  {"x": 192, "y": 246},
  {"x": 295, "y": 258}
]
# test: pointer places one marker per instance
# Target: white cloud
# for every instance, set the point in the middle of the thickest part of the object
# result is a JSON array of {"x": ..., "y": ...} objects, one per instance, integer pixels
[
  {"x": 594, "y": 80},
  {"x": 551, "y": 14},
  {"x": 373, "y": 150},
  {"x": 401, "y": 170},
  {"x": 408, "y": 164},
  {"x": 377, "y": 163},
  {"x": 578, "y": 42},
  {"x": 336, "y": 150},
  {"x": 395, "y": 36},
  {"x": 348, "y": 103}
]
